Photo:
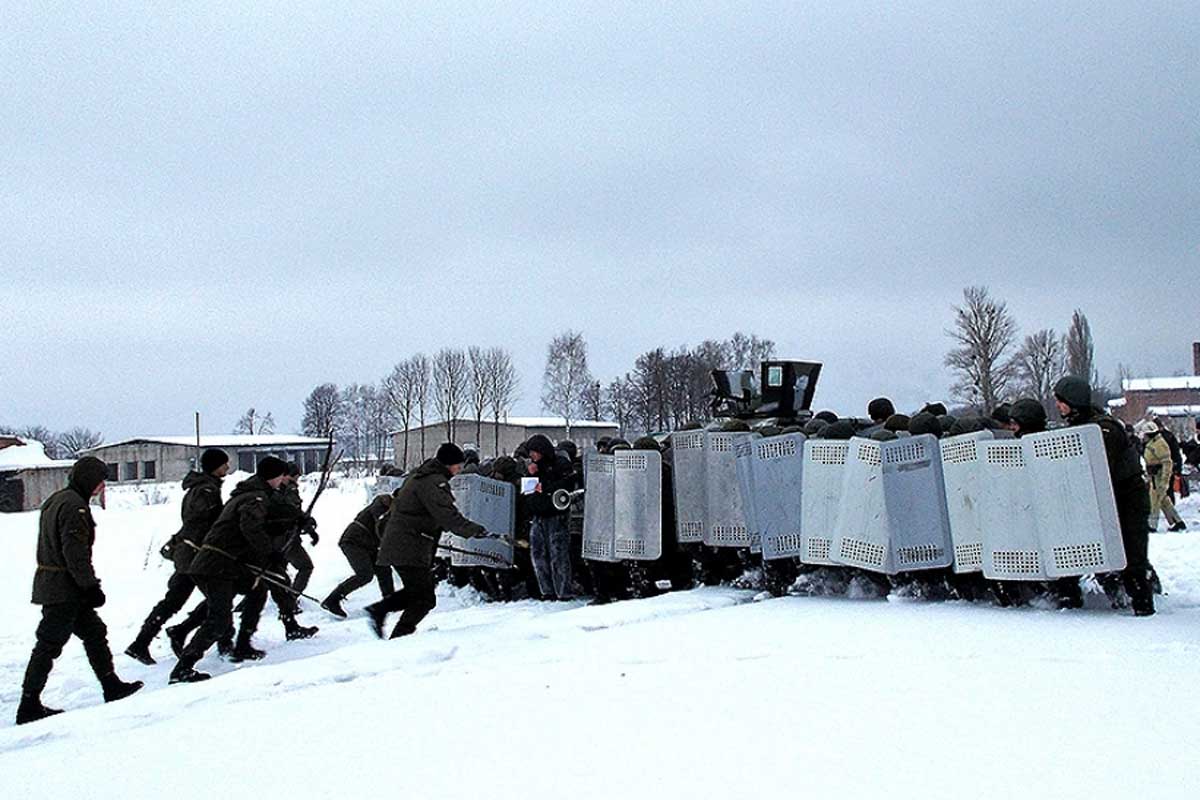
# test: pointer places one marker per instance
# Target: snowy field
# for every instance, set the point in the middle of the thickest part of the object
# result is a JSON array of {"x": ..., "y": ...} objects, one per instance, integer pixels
[{"x": 696, "y": 694}]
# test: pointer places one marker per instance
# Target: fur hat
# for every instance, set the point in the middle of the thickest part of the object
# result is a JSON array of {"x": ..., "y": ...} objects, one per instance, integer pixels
[{"x": 450, "y": 454}]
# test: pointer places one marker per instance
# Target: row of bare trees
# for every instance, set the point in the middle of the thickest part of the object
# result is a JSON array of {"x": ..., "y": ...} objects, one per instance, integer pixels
[
  {"x": 58, "y": 444},
  {"x": 454, "y": 384},
  {"x": 665, "y": 389},
  {"x": 992, "y": 364}
]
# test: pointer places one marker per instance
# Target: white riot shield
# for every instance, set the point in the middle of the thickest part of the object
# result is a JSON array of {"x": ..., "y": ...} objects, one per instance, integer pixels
[
  {"x": 962, "y": 469},
  {"x": 1076, "y": 511},
  {"x": 860, "y": 534},
  {"x": 386, "y": 484},
  {"x": 724, "y": 510},
  {"x": 489, "y": 503},
  {"x": 821, "y": 497},
  {"x": 688, "y": 448},
  {"x": 743, "y": 453},
  {"x": 775, "y": 495},
  {"x": 638, "y": 514},
  {"x": 1007, "y": 517},
  {"x": 918, "y": 525},
  {"x": 599, "y": 508}
]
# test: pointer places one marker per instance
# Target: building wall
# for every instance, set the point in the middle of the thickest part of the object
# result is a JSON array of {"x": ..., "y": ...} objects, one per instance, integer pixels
[
  {"x": 173, "y": 462},
  {"x": 511, "y": 436},
  {"x": 1136, "y": 403},
  {"x": 34, "y": 485}
]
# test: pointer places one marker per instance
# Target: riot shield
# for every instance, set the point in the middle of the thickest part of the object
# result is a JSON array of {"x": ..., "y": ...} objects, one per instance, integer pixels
[
  {"x": 777, "y": 468},
  {"x": 743, "y": 453},
  {"x": 638, "y": 505},
  {"x": 599, "y": 508},
  {"x": 1007, "y": 514},
  {"x": 821, "y": 497},
  {"x": 724, "y": 509},
  {"x": 962, "y": 469},
  {"x": 860, "y": 534},
  {"x": 1076, "y": 511},
  {"x": 690, "y": 507},
  {"x": 489, "y": 503},
  {"x": 918, "y": 524}
]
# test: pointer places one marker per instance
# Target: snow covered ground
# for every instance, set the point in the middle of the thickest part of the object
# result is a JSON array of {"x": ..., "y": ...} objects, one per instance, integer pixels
[{"x": 695, "y": 694}]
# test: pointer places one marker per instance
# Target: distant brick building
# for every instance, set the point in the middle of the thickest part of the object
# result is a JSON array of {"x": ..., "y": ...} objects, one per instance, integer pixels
[{"x": 1175, "y": 399}]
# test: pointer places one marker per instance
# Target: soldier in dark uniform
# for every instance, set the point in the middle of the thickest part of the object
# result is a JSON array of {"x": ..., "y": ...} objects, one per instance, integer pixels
[
  {"x": 423, "y": 508},
  {"x": 360, "y": 545},
  {"x": 286, "y": 522},
  {"x": 239, "y": 538},
  {"x": 202, "y": 505},
  {"x": 1073, "y": 396},
  {"x": 66, "y": 587},
  {"x": 293, "y": 550}
]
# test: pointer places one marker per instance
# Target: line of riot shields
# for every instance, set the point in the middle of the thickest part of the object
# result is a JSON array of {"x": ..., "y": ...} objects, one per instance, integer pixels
[{"x": 1036, "y": 508}]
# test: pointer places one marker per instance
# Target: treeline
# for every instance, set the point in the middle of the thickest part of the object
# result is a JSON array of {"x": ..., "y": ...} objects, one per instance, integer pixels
[{"x": 60, "y": 445}]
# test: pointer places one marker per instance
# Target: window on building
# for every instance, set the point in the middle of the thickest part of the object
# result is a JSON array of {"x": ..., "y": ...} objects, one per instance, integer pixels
[
  {"x": 112, "y": 476},
  {"x": 149, "y": 471},
  {"x": 131, "y": 471},
  {"x": 311, "y": 462},
  {"x": 246, "y": 461}
]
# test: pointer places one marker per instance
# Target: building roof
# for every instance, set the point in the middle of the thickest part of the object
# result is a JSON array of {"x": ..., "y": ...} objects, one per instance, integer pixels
[
  {"x": 1117, "y": 402},
  {"x": 521, "y": 422},
  {"x": 1161, "y": 384},
  {"x": 1173, "y": 411},
  {"x": 235, "y": 440},
  {"x": 29, "y": 454}
]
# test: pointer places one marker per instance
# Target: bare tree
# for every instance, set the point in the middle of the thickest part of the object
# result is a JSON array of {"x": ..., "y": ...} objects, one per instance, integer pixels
[
  {"x": 77, "y": 439},
  {"x": 478, "y": 390},
  {"x": 984, "y": 331},
  {"x": 400, "y": 392},
  {"x": 450, "y": 386},
  {"x": 618, "y": 401},
  {"x": 421, "y": 377},
  {"x": 324, "y": 411},
  {"x": 566, "y": 376},
  {"x": 1080, "y": 355},
  {"x": 745, "y": 352},
  {"x": 254, "y": 424},
  {"x": 592, "y": 401},
  {"x": 48, "y": 438},
  {"x": 1038, "y": 365},
  {"x": 502, "y": 388},
  {"x": 650, "y": 382}
]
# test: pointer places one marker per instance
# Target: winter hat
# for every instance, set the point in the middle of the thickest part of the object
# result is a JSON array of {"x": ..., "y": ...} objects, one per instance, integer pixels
[
  {"x": 450, "y": 454},
  {"x": 735, "y": 426},
  {"x": 924, "y": 423},
  {"x": 212, "y": 459},
  {"x": 814, "y": 426},
  {"x": 88, "y": 473},
  {"x": 937, "y": 409},
  {"x": 947, "y": 421},
  {"x": 1029, "y": 414},
  {"x": 966, "y": 425},
  {"x": 880, "y": 409},
  {"x": 293, "y": 469},
  {"x": 827, "y": 416},
  {"x": 646, "y": 443},
  {"x": 837, "y": 430},
  {"x": 270, "y": 468},
  {"x": 897, "y": 423},
  {"x": 1002, "y": 413},
  {"x": 570, "y": 448},
  {"x": 1145, "y": 427},
  {"x": 884, "y": 435},
  {"x": 1074, "y": 391}
]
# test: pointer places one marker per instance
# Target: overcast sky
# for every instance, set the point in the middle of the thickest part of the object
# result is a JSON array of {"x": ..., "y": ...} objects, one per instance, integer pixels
[{"x": 223, "y": 207}]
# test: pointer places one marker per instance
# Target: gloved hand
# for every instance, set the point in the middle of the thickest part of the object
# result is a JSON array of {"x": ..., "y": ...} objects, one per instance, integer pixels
[
  {"x": 309, "y": 526},
  {"x": 94, "y": 596}
]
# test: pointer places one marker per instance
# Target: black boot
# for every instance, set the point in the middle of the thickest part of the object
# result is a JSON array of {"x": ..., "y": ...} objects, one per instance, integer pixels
[
  {"x": 225, "y": 645},
  {"x": 402, "y": 630},
  {"x": 244, "y": 651},
  {"x": 117, "y": 689},
  {"x": 185, "y": 672},
  {"x": 31, "y": 710},
  {"x": 333, "y": 604},
  {"x": 375, "y": 618},
  {"x": 177, "y": 636},
  {"x": 138, "y": 651},
  {"x": 294, "y": 630}
]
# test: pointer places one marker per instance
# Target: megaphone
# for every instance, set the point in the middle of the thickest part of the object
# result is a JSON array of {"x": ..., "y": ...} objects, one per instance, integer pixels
[{"x": 562, "y": 498}]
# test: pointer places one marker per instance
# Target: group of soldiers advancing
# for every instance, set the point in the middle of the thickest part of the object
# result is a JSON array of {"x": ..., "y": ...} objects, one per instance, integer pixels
[{"x": 243, "y": 547}]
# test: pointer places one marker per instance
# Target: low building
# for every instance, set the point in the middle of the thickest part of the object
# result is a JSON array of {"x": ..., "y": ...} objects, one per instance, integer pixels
[
  {"x": 1176, "y": 400},
  {"x": 27, "y": 475},
  {"x": 169, "y": 458},
  {"x": 494, "y": 438}
]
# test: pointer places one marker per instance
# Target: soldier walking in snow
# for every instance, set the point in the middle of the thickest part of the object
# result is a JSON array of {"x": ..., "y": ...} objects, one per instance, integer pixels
[
  {"x": 423, "y": 508},
  {"x": 66, "y": 587},
  {"x": 201, "y": 507},
  {"x": 360, "y": 545},
  {"x": 1161, "y": 467}
]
